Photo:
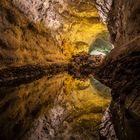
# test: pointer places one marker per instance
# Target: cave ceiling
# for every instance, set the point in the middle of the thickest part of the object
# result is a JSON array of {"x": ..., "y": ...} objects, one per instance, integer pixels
[{"x": 74, "y": 24}]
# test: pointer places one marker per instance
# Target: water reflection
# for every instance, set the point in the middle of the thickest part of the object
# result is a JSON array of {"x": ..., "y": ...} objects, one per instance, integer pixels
[{"x": 52, "y": 108}]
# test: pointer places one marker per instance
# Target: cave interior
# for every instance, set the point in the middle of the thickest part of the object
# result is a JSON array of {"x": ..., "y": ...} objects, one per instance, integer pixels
[{"x": 69, "y": 70}]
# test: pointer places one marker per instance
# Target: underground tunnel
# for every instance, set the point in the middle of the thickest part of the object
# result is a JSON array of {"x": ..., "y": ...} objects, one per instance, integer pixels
[{"x": 69, "y": 70}]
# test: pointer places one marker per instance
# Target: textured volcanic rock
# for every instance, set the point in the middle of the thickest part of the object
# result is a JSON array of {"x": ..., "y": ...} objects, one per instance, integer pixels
[
  {"x": 23, "y": 42},
  {"x": 41, "y": 32},
  {"x": 103, "y": 7},
  {"x": 84, "y": 64},
  {"x": 73, "y": 24},
  {"x": 120, "y": 70}
]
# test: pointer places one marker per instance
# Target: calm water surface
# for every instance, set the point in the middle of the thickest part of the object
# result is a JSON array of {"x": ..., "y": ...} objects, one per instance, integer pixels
[{"x": 55, "y": 107}]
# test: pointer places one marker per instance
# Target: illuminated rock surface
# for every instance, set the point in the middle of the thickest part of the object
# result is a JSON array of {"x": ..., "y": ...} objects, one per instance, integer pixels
[
  {"x": 74, "y": 24},
  {"x": 43, "y": 32}
]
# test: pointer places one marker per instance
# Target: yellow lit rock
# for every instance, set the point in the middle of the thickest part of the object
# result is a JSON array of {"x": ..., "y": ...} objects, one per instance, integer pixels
[{"x": 44, "y": 32}]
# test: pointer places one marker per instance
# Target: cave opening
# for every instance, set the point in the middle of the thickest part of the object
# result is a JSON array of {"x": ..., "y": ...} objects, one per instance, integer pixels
[{"x": 69, "y": 70}]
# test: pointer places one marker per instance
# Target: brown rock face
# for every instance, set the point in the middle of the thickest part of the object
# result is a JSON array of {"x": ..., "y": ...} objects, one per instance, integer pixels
[
  {"x": 84, "y": 64},
  {"x": 121, "y": 68},
  {"x": 23, "y": 42},
  {"x": 42, "y": 32},
  {"x": 123, "y": 21}
]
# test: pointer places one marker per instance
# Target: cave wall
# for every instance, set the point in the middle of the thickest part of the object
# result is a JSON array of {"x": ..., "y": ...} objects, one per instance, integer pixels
[
  {"x": 121, "y": 67},
  {"x": 123, "y": 21},
  {"x": 23, "y": 42},
  {"x": 73, "y": 24},
  {"x": 44, "y": 32}
]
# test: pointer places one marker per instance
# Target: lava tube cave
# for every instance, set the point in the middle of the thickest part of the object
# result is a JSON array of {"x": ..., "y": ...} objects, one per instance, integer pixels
[{"x": 69, "y": 69}]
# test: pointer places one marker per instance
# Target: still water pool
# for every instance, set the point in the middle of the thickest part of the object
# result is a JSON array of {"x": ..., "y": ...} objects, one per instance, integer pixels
[{"x": 57, "y": 107}]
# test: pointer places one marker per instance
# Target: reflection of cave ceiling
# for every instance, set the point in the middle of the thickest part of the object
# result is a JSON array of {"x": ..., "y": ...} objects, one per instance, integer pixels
[
  {"x": 70, "y": 21},
  {"x": 52, "y": 108}
]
